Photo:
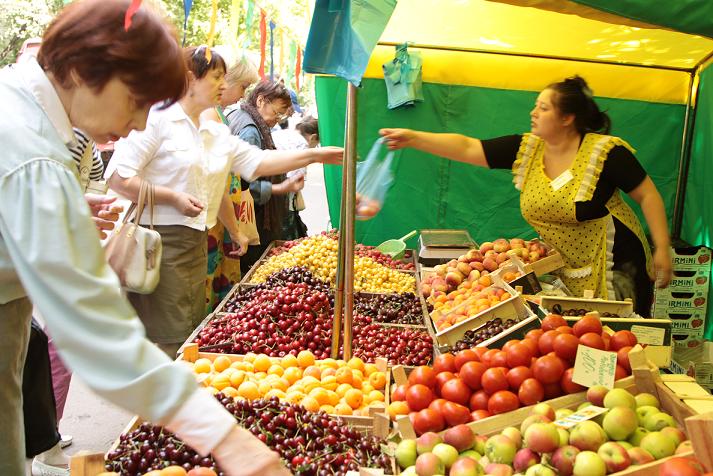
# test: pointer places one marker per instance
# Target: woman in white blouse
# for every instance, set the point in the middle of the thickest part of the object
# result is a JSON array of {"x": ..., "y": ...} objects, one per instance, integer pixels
[{"x": 189, "y": 160}]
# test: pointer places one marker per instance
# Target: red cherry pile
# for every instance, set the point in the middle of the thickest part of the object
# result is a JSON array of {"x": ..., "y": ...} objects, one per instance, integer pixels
[
  {"x": 310, "y": 444},
  {"x": 480, "y": 382},
  {"x": 399, "y": 345}
]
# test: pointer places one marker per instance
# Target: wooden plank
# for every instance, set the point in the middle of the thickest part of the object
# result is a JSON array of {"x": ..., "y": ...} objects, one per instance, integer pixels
[
  {"x": 699, "y": 429},
  {"x": 86, "y": 464}
]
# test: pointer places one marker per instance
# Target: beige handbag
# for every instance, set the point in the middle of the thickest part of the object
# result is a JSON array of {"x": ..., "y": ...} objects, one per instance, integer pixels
[
  {"x": 246, "y": 217},
  {"x": 134, "y": 252}
]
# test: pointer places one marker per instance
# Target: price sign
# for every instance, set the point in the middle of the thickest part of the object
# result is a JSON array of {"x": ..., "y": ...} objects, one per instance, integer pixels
[
  {"x": 594, "y": 367},
  {"x": 586, "y": 413},
  {"x": 649, "y": 335}
]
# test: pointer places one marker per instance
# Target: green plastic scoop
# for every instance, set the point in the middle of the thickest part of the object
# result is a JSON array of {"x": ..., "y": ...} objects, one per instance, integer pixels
[{"x": 395, "y": 248}]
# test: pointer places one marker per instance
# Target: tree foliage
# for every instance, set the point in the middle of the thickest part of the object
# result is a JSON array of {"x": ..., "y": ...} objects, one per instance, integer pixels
[{"x": 21, "y": 20}]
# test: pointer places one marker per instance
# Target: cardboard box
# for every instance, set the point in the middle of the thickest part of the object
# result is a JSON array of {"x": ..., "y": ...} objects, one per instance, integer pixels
[
  {"x": 696, "y": 362},
  {"x": 689, "y": 341},
  {"x": 668, "y": 302},
  {"x": 693, "y": 258},
  {"x": 688, "y": 280},
  {"x": 686, "y": 322}
]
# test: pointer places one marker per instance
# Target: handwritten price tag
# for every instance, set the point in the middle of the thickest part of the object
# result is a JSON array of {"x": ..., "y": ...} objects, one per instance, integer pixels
[
  {"x": 649, "y": 335},
  {"x": 586, "y": 413},
  {"x": 594, "y": 367}
]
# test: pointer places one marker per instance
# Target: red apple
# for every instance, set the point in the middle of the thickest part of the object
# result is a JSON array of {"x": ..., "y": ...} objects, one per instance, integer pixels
[{"x": 563, "y": 459}]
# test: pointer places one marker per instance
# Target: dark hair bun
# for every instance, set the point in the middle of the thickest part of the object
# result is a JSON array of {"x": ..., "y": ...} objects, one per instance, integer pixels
[{"x": 574, "y": 96}]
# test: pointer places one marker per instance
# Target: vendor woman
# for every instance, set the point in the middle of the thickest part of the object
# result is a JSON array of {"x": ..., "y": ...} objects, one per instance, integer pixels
[{"x": 569, "y": 173}]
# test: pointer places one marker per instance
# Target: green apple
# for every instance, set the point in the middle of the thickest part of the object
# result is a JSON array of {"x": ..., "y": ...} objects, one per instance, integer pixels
[
  {"x": 446, "y": 453},
  {"x": 637, "y": 436},
  {"x": 644, "y": 412},
  {"x": 500, "y": 449},
  {"x": 647, "y": 400},
  {"x": 618, "y": 397},
  {"x": 583, "y": 405},
  {"x": 625, "y": 444},
  {"x": 540, "y": 470},
  {"x": 563, "y": 413},
  {"x": 564, "y": 436},
  {"x": 472, "y": 454},
  {"x": 588, "y": 463},
  {"x": 659, "y": 421},
  {"x": 406, "y": 453},
  {"x": 658, "y": 444},
  {"x": 675, "y": 434},
  {"x": 410, "y": 471},
  {"x": 620, "y": 422}
]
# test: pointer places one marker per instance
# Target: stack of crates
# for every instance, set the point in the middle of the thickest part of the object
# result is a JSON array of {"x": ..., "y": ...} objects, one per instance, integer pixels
[{"x": 685, "y": 300}]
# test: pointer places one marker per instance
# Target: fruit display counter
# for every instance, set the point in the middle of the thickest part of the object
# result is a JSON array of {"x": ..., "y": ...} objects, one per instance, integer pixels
[
  {"x": 373, "y": 271},
  {"x": 578, "y": 306}
]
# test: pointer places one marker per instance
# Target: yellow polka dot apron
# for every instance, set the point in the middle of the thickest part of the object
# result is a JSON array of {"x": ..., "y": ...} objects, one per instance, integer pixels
[{"x": 549, "y": 206}]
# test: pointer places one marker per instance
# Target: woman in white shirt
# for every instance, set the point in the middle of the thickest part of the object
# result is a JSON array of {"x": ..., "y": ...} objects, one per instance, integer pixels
[{"x": 189, "y": 160}]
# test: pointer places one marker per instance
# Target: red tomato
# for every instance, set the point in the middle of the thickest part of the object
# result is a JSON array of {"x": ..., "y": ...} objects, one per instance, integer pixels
[
  {"x": 479, "y": 400},
  {"x": 399, "y": 393},
  {"x": 547, "y": 341},
  {"x": 530, "y": 392},
  {"x": 480, "y": 351},
  {"x": 509, "y": 344},
  {"x": 620, "y": 372},
  {"x": 607, "y": 340},
  {"x": 437, "y": 405},
  {"x": 587, "y": 324},
  {"x": 479, "y": 414},
  {"x": 502, "y": 402},
  {"x": 472, "y": 373},
  {"x": 487, "y": 357},
  {"x": 444, "y": 363},
  {"x": 565, "y": 346},
  {"x": 418, "y": 397},
  {"x": 494, "y": 379},
  {"x": 548, "y": 369},
  {"x": 567, "y": 385},
  {"x": 428, "y": 420},
  {"x": 552, "y": 321},
  {"x": 455, "y": 390},
  {"x": 518, "y": 354},
  {"x": 442, "y": 378},
  {"x": 552, "y": 390},
  {"x": 565, "y": 330},
  {"x": 622, "y": 339},
  {"x": 424, "y": 375},
  {"x": 532, "y": 345},
  {"x": 517, "y": 375},
  {"x": 455, "y": 414},
  {"x": 464, "y": 356},
  {"x": 591, "y": 339},
  {"x": 500, "y": 359},
  {"x": 622, "y": 358},
  {"x": 681, "y": 466},
  {"x": 534, "y": 334}
]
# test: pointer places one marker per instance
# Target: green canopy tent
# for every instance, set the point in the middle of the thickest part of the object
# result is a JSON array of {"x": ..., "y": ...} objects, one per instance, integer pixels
[{"x": 483, "y": 65}]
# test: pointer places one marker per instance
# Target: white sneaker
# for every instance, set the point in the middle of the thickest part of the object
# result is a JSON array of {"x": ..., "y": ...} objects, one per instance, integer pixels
[
  {"x": 65, "y": 441},
  {"x": 42, "y": 469}
]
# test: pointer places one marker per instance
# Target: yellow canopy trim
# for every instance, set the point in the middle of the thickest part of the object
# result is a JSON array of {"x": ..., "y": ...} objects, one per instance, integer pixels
[{"x": 533, "y": 74}]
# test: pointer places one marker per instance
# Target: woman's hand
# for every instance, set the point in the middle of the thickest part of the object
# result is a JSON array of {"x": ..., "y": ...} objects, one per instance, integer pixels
[
  {"x": 241, "y": 453},
  {"x": 329, "y": 155},
  {"x": 241, "y": 241},
  {"x": 187, "y": 204},
  {"x": 104, "y": 214},
  {"x": 398, "y": 138},
  {"x": 662, "y": 266}
]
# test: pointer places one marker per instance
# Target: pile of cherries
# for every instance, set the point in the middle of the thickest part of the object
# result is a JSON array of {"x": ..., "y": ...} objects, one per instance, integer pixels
[
  {"x": 399, "y": 345},
  {"x": 490, "y": 329},
  {"x": 390, "y": 308},
  {"x": 310, "y": 444},
  {"x": 274, "y": 321},
  {"x": 557, "y": 309}
]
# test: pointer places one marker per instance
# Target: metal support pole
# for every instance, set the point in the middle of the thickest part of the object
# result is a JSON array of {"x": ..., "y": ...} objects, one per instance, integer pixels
[
  {"x": 685, "y": 161},
  {"x": 349, "y": 196},
  {"x": 344, "y": 297}
]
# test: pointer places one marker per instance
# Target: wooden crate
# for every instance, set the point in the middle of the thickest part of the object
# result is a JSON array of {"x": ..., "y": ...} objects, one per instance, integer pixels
[
  {"x": 512, "y": 308},
  {"x": 366, "y": 424},
  {"x": 545, "y": 265},
  {"x": 645, "y": 378},
  {"x": 621, "y": 308}
]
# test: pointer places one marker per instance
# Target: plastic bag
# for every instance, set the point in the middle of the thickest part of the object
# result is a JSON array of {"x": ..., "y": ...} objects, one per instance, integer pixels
[
  {"x": 374, "y": 178},
  {"x": 403, "y": 78}
]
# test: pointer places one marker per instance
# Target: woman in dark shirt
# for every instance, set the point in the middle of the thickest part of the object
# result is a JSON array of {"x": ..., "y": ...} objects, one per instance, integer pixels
[{"x": 569, "y": 173}]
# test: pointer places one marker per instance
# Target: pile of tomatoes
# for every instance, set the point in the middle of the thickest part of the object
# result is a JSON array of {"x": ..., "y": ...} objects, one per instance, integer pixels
[{"x": 479, "y": 382}]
